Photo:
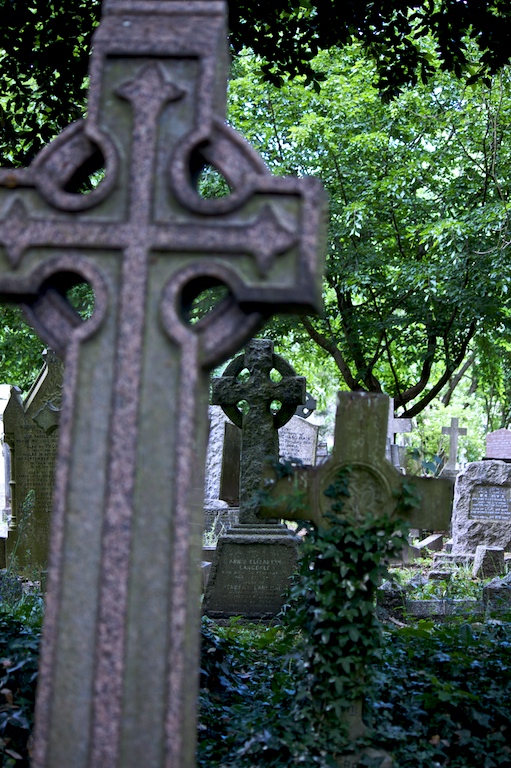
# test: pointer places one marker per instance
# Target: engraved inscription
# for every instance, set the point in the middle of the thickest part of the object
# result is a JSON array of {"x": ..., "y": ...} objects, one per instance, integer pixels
[
  {"x": 491, "y": 502},
  {"x": 298, "y": 439},
  {"x": 251, "y": 578}
]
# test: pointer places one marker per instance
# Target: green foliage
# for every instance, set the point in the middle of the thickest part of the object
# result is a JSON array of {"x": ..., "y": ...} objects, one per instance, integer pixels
[
  {"x": 419, "y": 210},
  {"x": 332, "y": 603},
  {"x": 288, "y": 34},
  {"x": 442, "y": 696},
  {"x": 19, "y": 650},
  {"x": 20, "y": 349},
  {"x": 439, "y": 695},
  {"x": 44, "y": 50}
]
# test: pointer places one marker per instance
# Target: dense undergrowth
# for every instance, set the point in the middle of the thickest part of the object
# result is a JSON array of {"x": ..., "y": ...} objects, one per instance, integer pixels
[
  {"x": 20, "y": 628},
  {"x": 435, "y": 695},
  {"x": 440, "y": 696}
]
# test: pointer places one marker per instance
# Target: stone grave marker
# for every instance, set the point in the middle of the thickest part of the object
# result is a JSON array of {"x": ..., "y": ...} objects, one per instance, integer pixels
[
  {"x": 360, "y": 442},
  {"x": 498, "y": 445},
  {"x": 396, "y": 426},
  {"x": 454, "y": 431},
  {"x": 488, "y": 562},
  {"x": 253, "y": 560},
  {"x": 360, "y": 438},
  {"x": 482, "y": 507},
  {"x": 124, "y": 581},
  {"x": 33, "y": 454},
  {"x": 220, "y": 511},
  {"x": 298, "y": 439}
]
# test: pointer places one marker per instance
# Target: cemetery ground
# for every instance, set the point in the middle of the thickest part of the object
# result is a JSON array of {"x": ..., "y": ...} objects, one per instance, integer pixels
[{"x": 437, "y": 693}]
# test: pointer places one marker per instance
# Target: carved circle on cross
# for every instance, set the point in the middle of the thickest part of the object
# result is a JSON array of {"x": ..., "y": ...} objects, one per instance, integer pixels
[
  {"x": 369, "y": 491},
  {"x": 284, "y": 414}
]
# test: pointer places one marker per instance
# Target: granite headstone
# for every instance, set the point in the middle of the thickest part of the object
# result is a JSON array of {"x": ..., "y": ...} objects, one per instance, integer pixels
[
  {"x": 482, "y": 507},
  {"x": 33, "y": 453},
  {"x": 498, "y": 444}
]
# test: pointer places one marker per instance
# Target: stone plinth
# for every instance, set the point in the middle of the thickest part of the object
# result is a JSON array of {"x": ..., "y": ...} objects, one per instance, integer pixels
[
  {"x": 488, "y": 562},
  {"x": 251, "y": 572}
]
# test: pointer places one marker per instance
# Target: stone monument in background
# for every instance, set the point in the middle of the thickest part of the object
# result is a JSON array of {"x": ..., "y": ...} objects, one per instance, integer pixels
[
  {"x": 482, "y": 499},
  {"x": 254, "y": 559},
  {"x": 450, "y": 468},
  {"x": 30, "y": 431},
  {"x": 396, "y": 425}
]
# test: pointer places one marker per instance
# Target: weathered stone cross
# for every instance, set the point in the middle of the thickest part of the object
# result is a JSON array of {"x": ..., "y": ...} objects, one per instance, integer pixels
[
  {"x": 374, "y": 484},
  {"x": 117, "y": 685},
  {"x": 395, "y": 425},
  {"x": 454, "y": 431},
  {"x": 259, "y": 425}
]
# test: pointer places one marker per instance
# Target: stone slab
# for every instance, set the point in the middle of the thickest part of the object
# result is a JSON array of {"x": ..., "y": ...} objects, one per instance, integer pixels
[
  {"x": 250, "y": 574},
  {"x": 482, "y": 507},
  {"x": 488, "y": 562},
  {"x": 497, "y": 594},
  {"x": 461, "y": 558},
  {"x": 498, "y": 444},
  {"x": 434, "y": 543},
  {"x": 423, "y": 609}
]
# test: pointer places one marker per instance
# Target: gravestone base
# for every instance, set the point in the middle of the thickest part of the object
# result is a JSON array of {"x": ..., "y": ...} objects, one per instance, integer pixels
[
  {"x": 219, "y": 518},
  {"x": 497, "y": 594},
  {"x": 482, "y": 507},
  {"x": 488, "y": 562},
  {"x": 251, "y": 571}
]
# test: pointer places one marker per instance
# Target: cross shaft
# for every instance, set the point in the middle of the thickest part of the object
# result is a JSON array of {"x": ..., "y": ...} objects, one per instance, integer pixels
[{"x": 124, "y": 580}]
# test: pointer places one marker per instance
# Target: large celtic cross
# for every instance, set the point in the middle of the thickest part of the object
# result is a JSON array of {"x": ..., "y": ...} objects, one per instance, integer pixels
[{"x": 117, "y": 685}]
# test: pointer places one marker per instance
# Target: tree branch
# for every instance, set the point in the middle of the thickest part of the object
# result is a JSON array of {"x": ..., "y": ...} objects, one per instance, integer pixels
[{"x": 332, "y": 349}]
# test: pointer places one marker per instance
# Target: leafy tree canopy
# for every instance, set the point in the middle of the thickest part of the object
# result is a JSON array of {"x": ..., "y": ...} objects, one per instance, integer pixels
[
  {"x": 419, "y": 216},
  {"x": 44, "y": 48}
]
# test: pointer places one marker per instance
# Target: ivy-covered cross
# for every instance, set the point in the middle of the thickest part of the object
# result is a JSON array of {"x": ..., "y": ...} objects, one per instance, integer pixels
[{"x": 375, "y": 486}]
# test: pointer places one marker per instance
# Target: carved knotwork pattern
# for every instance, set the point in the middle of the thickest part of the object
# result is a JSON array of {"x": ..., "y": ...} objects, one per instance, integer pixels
[{"x": 369, "y": 494}]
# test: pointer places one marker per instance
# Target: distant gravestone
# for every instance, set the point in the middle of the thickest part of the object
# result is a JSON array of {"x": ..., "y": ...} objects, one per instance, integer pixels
[
  {"x": 396, "y": 426},
  {"x": 360, "y": 446},
  {"x": 454, "y": 432},
  {"x": 231, "y": 465},
  {"x": 482, "y": 507},
  {"x": 254, "y": 561},
  {"x": 498, "y": 444},
  {"x": 488, "y": 562},
  {"x": 33, "y": 453},
  {"x": 219, "y": 513},
  {"x": 298, "y": 439}
]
